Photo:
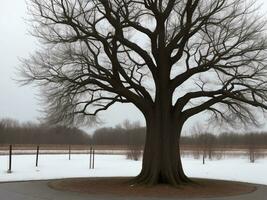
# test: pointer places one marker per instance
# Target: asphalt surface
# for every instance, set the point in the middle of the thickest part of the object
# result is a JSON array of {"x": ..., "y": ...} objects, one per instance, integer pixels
[{"x": 38, "y": 190}]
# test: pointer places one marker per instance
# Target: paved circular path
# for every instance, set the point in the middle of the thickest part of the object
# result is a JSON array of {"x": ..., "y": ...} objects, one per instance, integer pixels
[{"x": 38, "y": 190}]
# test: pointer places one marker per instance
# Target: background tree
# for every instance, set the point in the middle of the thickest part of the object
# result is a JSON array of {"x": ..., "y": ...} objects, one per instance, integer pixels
[
  {"x": 172, "y": 59},
  {"x": 205, "y": 141},
  {"x": 251, "y": 146}
]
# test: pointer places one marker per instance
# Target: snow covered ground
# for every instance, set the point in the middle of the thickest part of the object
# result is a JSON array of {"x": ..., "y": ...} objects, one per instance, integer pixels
[{"x": 58, "y": 166}]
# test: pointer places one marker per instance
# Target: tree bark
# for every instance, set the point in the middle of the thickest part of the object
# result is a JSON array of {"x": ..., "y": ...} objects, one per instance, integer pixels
[{"x": 161, "y": 158}]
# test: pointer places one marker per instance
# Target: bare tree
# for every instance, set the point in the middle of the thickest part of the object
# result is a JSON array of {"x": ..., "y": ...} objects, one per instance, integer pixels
[
  {"x": 207, "y": 142},
  {"x": 251, "y": 146},
  {"x": 204, "y": 141},
  {"x": 172, "y": 59},
  {"x": 134, "y": 148}
]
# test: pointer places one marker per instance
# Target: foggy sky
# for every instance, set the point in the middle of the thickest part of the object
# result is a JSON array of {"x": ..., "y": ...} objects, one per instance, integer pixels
[{"x": 21, "y": 103}]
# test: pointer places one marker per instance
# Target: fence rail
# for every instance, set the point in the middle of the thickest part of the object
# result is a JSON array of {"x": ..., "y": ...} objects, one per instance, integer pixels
[{"x": 20, "y": 149}]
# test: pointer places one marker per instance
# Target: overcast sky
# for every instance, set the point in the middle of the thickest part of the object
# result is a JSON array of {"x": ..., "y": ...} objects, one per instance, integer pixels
[{"x": 21, "y": 103}]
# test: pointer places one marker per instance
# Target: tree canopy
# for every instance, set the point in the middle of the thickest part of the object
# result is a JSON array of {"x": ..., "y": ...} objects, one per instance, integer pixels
[
  {"x": 100, "y": 52},
  {"x": 172, "y": 59}
]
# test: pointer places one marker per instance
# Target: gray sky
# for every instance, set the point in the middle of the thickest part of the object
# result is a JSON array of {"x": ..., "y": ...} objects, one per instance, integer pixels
[{"x": 21, "y": 103}]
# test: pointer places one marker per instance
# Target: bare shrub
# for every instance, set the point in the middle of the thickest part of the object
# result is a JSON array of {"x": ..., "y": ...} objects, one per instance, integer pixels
[
  {"x": 196, "y": 153},
  {"x": 134, "y": 153},
  {"x": 218, "y": 154}
]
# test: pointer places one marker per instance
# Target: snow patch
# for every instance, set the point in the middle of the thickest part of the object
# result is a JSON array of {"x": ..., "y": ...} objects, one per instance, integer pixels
[{"x": 58, "y": 166}]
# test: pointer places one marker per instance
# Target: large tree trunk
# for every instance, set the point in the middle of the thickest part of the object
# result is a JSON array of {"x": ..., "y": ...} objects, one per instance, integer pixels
[{"x": 161, "y": 158}]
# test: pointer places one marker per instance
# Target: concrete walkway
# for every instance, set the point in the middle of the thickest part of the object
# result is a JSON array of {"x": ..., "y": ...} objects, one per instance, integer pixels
[{"x": 38, "y": 190}]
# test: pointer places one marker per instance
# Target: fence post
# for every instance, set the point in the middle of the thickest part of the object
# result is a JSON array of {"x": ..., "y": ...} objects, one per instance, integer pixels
[
  {"x": 37, "y": 156},
  {"x": 93, "y": 159},
  {"x": 69, "y": 152},
  {"x": 90, "y": 162},
  {"x": 204, "y": 156},
  {"x": 10, "y": 159}
]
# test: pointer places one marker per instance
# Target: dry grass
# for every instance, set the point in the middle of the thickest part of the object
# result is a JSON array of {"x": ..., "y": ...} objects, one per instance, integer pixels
[{"x": 122, "y": 187}]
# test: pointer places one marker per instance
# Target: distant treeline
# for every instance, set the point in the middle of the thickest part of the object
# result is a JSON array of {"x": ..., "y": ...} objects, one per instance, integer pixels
[
  {"x": 12, "y": 132},
  {"x": 119, "y": 136},
  {"x": 136, "y": 136},
  {"x": 227, "y": 139}
]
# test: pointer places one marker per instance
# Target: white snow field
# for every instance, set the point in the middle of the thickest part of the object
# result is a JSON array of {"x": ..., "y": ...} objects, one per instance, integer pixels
[{"x": 58, "y": 166}]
